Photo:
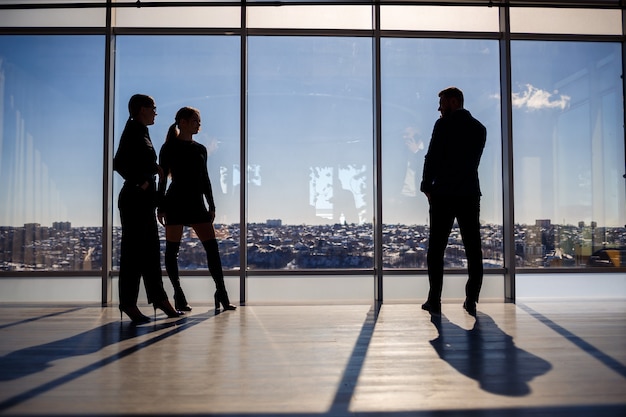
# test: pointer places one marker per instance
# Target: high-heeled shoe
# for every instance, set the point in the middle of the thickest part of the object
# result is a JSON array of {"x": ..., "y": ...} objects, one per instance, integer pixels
[
  {"x": 180, "y": 301},
  {"x": 224, "y": 301},
  {"x": 166, "y": 307},
  {"x": 134, "y": 314}
]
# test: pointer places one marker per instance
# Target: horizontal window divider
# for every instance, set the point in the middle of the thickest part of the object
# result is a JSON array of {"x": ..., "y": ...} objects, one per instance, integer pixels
[
  {"x": 306, "y": 32},
  {"x": 305, "y": 272},
  {"x": 53, "y": 30},
  {"x": 439, "y": 34},
  {"x": 552, "y": 270},
  {"x": 566, "y": 37},
  {"x": 309, "y": 272},
  {"x": 446, "y": 271},
  {"x": 51, "y": 274},
  {"x": 137, "y": 4},
  {"x": 598, "y": 4},
  {"x": 118, "y": 30},
  {"x": 310, "y": 32}
]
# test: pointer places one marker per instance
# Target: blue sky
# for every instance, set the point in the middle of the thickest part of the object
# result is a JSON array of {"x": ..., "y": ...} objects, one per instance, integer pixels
[{"x": 310, "y": 123}]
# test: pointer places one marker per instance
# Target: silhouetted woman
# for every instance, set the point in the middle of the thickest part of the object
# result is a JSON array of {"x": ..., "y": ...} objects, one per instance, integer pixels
[
  {"x": 140, "y": 253},
  {"x": 184, "y": 204}
]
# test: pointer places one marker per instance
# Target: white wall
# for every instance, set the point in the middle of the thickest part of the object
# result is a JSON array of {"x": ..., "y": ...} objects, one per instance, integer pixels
[
  {"x": 564, "y": 285},
  {"x": 306, "y": 289}
]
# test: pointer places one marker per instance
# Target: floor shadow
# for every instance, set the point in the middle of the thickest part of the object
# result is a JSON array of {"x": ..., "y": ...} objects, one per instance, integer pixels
[
  {"x": 23, "y": 362},
  {"x": 585, "y": 346},
  {"x": 45, "y": 316},
  {"x": 350, "y": 377},
  {"x": 35, "y": 359},
  {"x": 488, "y": 355}
]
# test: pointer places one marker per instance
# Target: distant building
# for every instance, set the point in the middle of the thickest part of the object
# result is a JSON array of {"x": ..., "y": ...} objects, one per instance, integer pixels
[
  {"x": 543, "y": 223},
  {"x": 62, "y": 226},
  {"x": 274, "y": 223}
]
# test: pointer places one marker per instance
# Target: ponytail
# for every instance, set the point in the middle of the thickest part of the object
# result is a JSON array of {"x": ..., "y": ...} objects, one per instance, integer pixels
[
  {"x": 183, "y": 113},
  {"x": 172, "y": 132}
]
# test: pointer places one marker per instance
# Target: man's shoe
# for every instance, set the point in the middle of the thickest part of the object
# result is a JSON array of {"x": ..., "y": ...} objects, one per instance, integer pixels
[
  {"x": 470, "y": 307},
  {"x": 432, "y": 308}
]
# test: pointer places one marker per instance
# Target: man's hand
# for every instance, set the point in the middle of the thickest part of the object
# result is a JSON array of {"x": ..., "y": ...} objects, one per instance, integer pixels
[{"x": 161, "y": 217}]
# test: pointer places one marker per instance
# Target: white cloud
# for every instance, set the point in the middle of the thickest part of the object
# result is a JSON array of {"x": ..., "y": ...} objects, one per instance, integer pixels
[{"x": 534, "y": 98}]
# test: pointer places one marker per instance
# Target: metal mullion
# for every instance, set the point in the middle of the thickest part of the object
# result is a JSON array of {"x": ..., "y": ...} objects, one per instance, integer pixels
[
  {"x": 243, "y": 158},
  {"x": 506, "y": 114},
  {"x": 156, "y": 31},
  {"x": 595, "y": 4},
  {"x": 378, "y": 209},
  {"x": 107, "y": 158},
  {"x": 310, "y": 32}
]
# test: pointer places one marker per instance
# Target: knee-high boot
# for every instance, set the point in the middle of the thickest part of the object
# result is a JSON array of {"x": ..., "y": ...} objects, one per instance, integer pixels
[
  {"x": 215, "y": 268},
  {"x": 171, "y": 266}
]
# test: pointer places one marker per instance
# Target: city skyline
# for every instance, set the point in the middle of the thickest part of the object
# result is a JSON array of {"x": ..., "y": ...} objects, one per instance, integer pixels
[{"x": 292, "y": 247}]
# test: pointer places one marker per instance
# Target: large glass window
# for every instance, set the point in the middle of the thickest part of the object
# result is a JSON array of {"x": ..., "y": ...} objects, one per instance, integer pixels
[
  {"x": 310, "y": 153},
  {"x": 568, "y": 136},
  {"x": 413, "y": 73},
  {"x": 51, "y": 133},
  {"x": 308, "y": 158},
  {"x": 201, "y": 72}
]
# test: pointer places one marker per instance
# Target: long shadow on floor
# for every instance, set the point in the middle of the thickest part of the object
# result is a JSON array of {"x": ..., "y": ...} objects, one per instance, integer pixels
[
  {"x": 488, "y": 355},
  {"x": 31, "y": 360},
  {"x": 587, "y": 347},
  {"x": 347, "y": 385},
  {"x": 45, "y": 316}
]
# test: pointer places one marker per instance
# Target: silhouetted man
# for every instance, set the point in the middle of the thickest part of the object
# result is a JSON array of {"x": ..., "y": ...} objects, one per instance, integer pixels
[{"x": 450, "y": 182}]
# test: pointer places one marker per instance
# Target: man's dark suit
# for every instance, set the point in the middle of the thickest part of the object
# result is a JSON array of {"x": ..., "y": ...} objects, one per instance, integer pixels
[{"x": 450, "y": 179}]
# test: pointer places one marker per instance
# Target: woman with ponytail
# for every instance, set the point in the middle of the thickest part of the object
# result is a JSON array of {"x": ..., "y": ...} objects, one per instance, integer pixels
[
  {"x": 185, "y": 203},
  {"x": 140, "y": 252}
]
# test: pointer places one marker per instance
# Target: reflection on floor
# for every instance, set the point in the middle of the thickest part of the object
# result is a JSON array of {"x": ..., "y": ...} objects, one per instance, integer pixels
[{"x": 531, "y": 359}]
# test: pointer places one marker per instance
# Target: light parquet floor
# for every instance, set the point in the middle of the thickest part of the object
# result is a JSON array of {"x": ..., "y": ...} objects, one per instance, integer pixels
[{"x": 542, "y": 358}]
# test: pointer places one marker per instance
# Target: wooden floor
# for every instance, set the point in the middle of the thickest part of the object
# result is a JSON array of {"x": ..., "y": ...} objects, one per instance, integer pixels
[{"x": 531, "y": 359}]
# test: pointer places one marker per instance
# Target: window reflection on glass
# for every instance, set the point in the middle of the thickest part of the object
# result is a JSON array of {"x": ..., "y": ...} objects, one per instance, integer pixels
[
  {"x": 310, "y": 153},
  {"x": 569, "y": 154},
  {"x": 413, "y": 73},
  {"x": 196, "y": 71},
  {"x": 51, "y": 101}
]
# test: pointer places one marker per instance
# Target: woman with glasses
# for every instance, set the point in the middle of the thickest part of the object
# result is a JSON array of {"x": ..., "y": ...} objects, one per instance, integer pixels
[{"x": 140, "y": 252}]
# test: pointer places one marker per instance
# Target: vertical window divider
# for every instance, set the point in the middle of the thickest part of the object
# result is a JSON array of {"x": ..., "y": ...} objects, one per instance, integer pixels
[
  {"x": 378, "y": 208},
  {"x": 107, "y": 165},
  {"x": 624, "y": 73},
  {"x": 243, "y": 159},
  {"x": 508, "y": 195}
]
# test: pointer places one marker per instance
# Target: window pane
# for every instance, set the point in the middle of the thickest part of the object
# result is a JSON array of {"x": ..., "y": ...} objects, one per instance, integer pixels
[
  {"x": 450, "y": 18},
  {"x": 51, "y": 101},
  {"x": 568, "y": 21},
  {"x": 54, "y": 17},
  {"x": 310, "y": 152},
  {"x": 196, "y": 71},
  {"x": 204, "y": 17},
  {"x": 569, "y": 153},
  {"x": 413, "y": 73},
  {"x": 310, "y": 17}
]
